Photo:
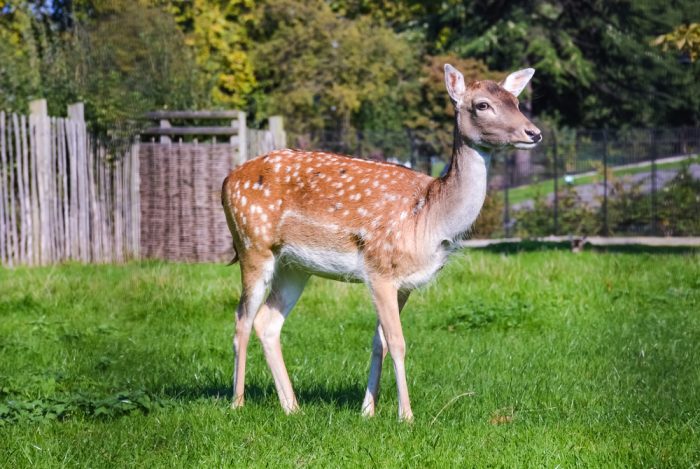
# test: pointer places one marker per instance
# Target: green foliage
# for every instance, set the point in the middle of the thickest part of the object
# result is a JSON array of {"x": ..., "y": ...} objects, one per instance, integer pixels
[
  {"x": 628, "y": 207},
  {"x": 629, "y": 210},
  {"x": 353, "y": 67},
  {"x": 20, "y": 77},
  {"x": 575, "y": 216},
  {"x": 120, "y": 57},
  {"x": 16, "y": 410},
  {"x": 218, "y": 33},
  {"x": 679, "y": 205},
  {"x": 131, "y": 58},
  {"x": 324, "y": 71},
  {"x": 595, "y": 65},
  {"x": 489, "y": 224},
  {"x": 535, "y": 221}
]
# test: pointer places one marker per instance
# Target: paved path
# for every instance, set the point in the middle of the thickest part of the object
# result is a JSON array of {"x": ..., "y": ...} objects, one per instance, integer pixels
[
  {"x": 592, "y": 194},
  {"x": 665, "y": 241}
]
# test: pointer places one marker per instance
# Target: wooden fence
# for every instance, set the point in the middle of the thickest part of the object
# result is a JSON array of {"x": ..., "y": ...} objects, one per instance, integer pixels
[
  {"x": 62, "y": 195},
  {"x": 65, "y": 196},
  {"x": 181, "y": 214}
]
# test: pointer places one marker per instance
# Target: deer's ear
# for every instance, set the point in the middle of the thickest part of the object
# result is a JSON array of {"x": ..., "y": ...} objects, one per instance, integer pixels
[
  {"x": 516, "y": 82},
  {"x": 454, "y": 81}
]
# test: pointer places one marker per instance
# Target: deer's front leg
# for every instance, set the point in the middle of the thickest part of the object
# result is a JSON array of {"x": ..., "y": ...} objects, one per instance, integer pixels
[
  {"x": 384, "y": 294},
  {"x": 379, "y": 350}
]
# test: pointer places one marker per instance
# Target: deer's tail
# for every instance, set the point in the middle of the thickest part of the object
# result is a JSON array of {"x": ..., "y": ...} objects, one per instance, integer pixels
[
  {"x": 235, "y": 257},
  {"x": 229, "y": 221}
]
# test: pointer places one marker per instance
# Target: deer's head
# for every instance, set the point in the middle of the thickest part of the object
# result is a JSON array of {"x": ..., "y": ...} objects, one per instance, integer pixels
[{"x": 487, "y": 112}]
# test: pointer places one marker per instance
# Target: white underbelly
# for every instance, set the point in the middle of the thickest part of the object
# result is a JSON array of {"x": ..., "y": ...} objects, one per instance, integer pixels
[{"x": 345, "y": 266}]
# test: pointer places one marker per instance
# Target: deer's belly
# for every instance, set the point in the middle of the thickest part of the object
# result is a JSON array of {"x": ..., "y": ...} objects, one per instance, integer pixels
[{"x": 346, "y": 266}]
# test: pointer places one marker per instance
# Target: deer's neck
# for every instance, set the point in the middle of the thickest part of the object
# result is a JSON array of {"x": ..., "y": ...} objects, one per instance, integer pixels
[{"x": 456, "y": 199}]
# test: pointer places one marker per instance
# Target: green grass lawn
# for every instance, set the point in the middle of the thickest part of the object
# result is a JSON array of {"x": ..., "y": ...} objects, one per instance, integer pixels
[
  {"x": 533, "y": 359},
  {"x": 530, "y": 191}
]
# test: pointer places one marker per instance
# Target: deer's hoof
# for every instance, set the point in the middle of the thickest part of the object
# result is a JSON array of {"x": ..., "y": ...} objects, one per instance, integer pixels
[{"x": 237, "y": 402}]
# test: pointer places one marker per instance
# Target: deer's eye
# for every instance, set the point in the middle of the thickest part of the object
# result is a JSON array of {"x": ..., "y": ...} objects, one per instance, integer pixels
[{"x": 482, "y": 106}]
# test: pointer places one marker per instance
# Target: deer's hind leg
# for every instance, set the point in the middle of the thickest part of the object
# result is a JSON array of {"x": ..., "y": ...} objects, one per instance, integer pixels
[
  {"x": 287, "y": 286},
  {"x": 385, "y": 298},
  {"x": 256, "y": 272},
  {"x": 379, "y": 351}
]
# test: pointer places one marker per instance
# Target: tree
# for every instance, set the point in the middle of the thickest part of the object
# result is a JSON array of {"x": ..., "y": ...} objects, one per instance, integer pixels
[
  {"x": 20, "y": 77},
  {"x": 218, "y": 32},
  {"x": 121, "y": 57},
  {"x": 325, "y": 72}
]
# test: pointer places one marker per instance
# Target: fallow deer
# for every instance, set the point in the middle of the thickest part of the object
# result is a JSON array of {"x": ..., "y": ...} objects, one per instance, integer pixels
[{"x": 295, "y": 213}]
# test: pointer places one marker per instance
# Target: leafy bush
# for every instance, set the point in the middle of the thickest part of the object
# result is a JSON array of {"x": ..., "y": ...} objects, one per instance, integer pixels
[
  {"x": 629, "y": 210},
  {"x": 63, "y": 407},
  {"x": 679, "y": 205},
  {"x": 489, "y": 224},
  {"x": 535, "y": 221}
]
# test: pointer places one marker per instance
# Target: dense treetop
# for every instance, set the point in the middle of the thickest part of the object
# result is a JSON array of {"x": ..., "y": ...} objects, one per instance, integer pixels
[{"x": 353, "y": 66}]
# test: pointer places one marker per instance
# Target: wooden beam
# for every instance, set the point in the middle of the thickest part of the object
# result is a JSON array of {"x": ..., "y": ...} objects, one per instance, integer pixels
[
  {"x": 165, "y": 124},
  {"x": 158, "y": 115},
  {"x": 233, "y": 130}
]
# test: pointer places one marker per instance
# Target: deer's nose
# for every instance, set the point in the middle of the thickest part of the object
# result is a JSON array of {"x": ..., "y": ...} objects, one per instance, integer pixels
[{"x": 535, "y": 135}]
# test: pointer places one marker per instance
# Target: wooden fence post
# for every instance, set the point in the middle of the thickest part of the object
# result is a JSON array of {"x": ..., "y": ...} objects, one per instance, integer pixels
[
  {"x": 76, "y": 112},
  {"x": 41, "y": 126},
  {"x": 279, "y": 136},
  {"x": 241, "y": 153},
  {"x": 165, "y": 124},
  {"x": 81, "y": 198},
  {"x": 5, "y": 256},
  {"x": 135, "y": 202}
]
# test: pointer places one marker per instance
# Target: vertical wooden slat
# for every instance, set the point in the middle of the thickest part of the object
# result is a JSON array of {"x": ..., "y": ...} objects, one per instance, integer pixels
[
  {"x": 93, "y": 212},
  {"x": 42, "y": 142},
  {"x": 72, "y": 142},
  {"x": 109, "y": 222},
  {"x": 83, "y": 191},
  {"x": 65, "y": 195},
  {"x": 21, "y": 198},
  {"x": 54, "y": 233},
  {"x": 12, "y": 206},
  {"x": 104, "y": 229},
  {"x": 58, "y": 181},
  {"x": 100, "y": 232},
  {"x": 35, "y": 233},
  {"x": 126, "y": 195},
  {"x": 145, "y": 166},
  {"x": 26, "y": 183},
  {"x": 136, "y": 200},
  {"x": 118, "y": 221},
  {"x": 3, "y": 188}
]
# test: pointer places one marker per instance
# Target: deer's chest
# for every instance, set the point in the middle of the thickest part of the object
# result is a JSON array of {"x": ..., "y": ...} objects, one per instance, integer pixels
[{"x": 423, "y": 272}]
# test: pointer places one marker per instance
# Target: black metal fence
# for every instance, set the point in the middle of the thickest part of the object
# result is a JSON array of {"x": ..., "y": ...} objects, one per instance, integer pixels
[
  {"x": 604, "y": 182},
  {"x": 577, "y": 182}
]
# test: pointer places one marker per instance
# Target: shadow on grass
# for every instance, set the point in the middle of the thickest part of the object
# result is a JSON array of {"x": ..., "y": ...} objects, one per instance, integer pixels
[
  {"x": 539, "y": 246},
  {"x": 342, "y": 397}
]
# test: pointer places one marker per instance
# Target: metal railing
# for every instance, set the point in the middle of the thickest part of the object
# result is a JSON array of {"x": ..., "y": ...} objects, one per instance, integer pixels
[{"x": 577, "y": 182}]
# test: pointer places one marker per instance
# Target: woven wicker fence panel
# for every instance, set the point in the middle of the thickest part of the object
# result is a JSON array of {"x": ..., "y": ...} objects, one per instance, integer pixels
[{"x": 181, "y": 214}]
